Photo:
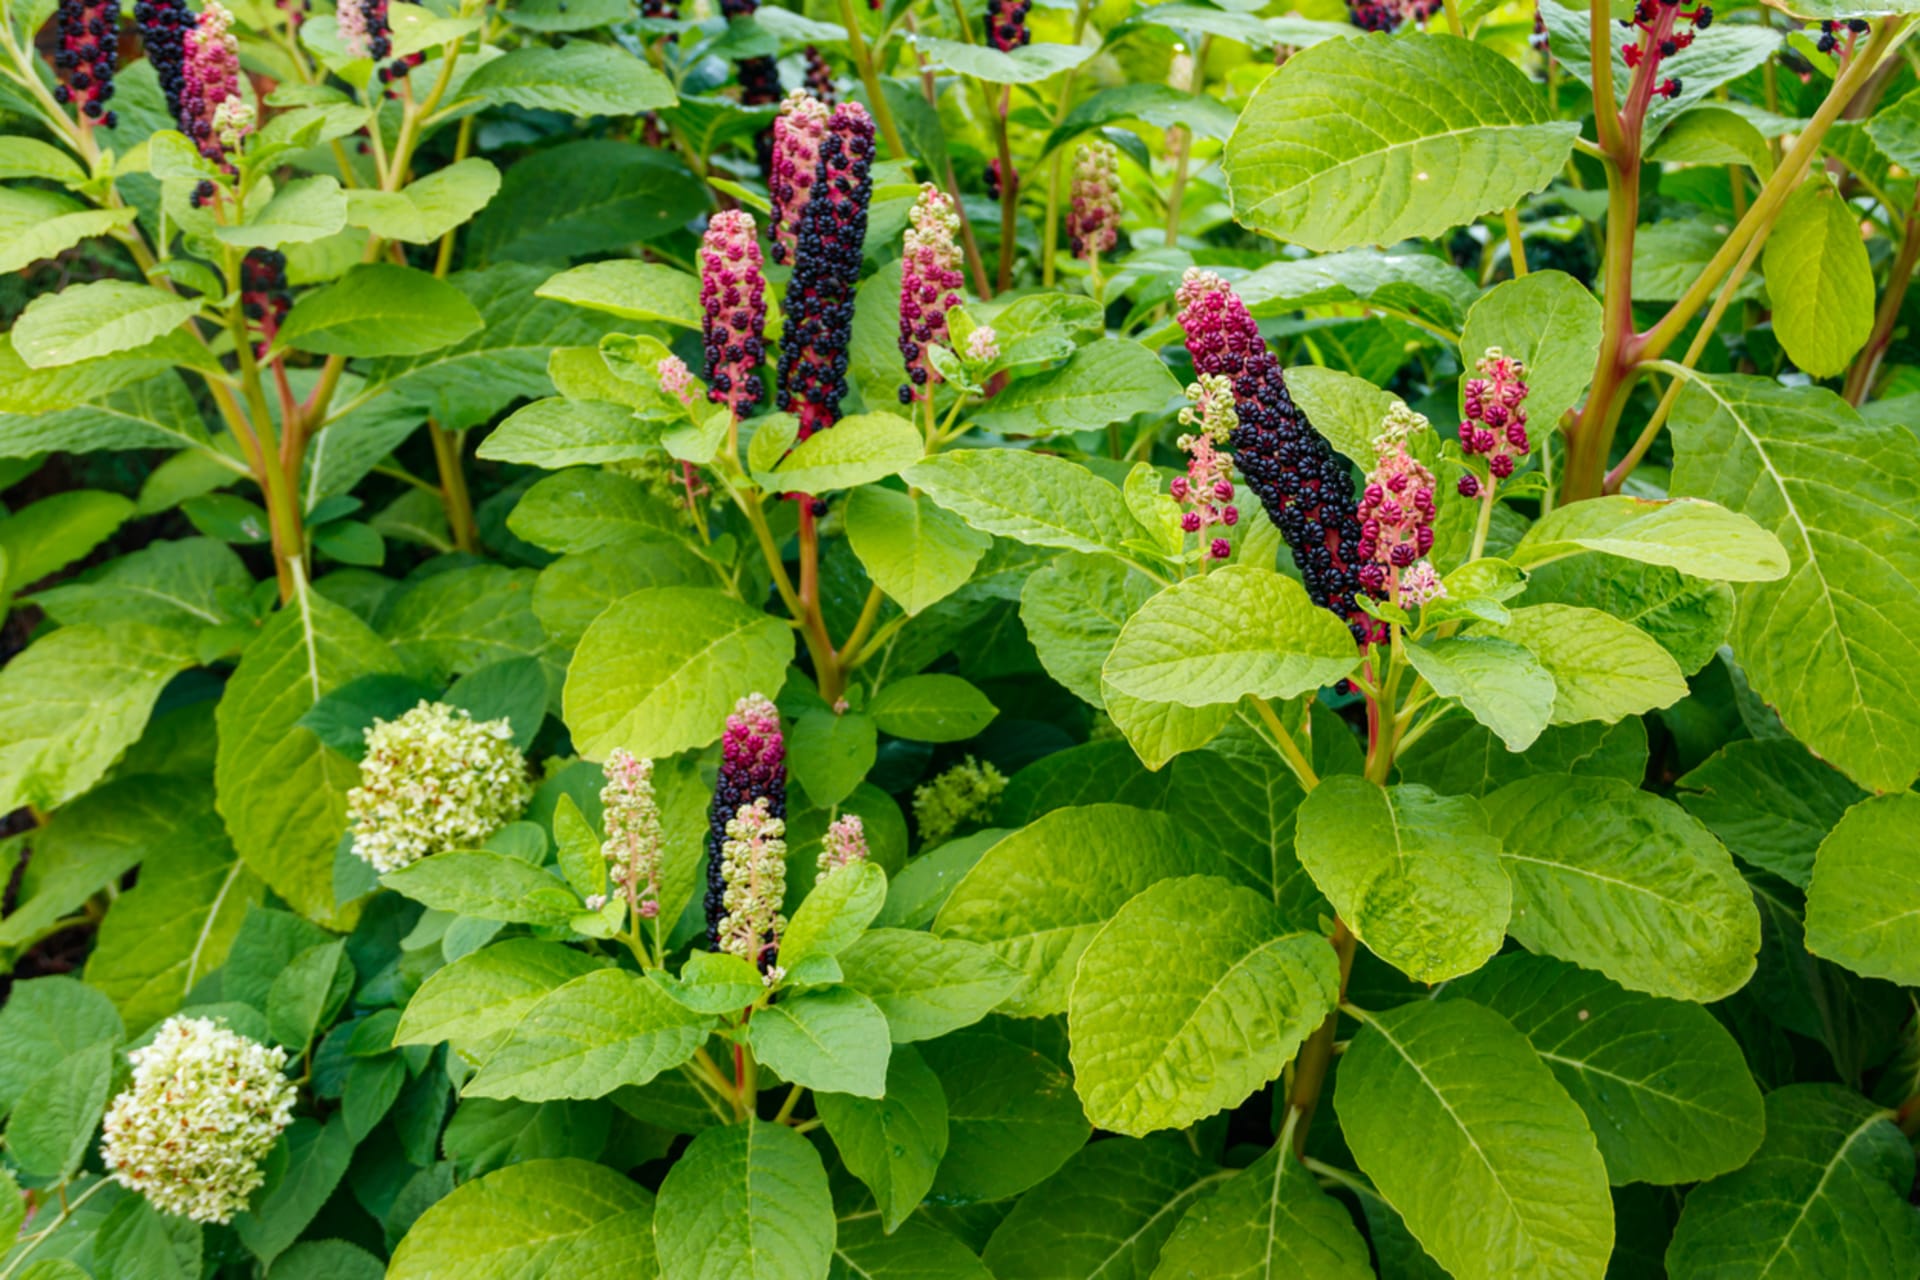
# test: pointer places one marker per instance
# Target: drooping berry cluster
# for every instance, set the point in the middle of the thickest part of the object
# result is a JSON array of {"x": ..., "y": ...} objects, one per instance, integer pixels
[
  {"x": 89, "y": 49},
  {"x": 1388, "y": 15},
  {"x": 1657, "y": 21},
  {"x": 826, "y": 271},
  {"x": 1397, "y": 506},
  {"x": 820, "y": 81},
  {"x": 844, "y": 844},
  {"x": 733, "y": 300},
  {"x": 1093, "y": 216},
  {"x": 264, "y": 295},
  {"x": 210, "y": 75},
  {"x": 1007, "y": 24},
  {"x": 1307, "y": 491},
  {"x": 753, "y": 775},
  {"x": 1206, "y": 491},
  {"x": 1832, "y": 30},
  {"x": 929, "y": 286},
  {"x": 163, "y": 31},
  {"x": 1495, "y": 421},
  {"x": 797, "y": 134},
  {"x": 633, "y": 844}
]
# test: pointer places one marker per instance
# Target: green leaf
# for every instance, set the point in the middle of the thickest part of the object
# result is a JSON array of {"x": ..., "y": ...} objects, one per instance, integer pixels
[
  {"x": 586, "y": 1038},
  {"x": 1602, "y": 668},
  {"x": 1347, "y": 410},
  {"x": 617, "y": 194},
  {"x": 381, "y": 310},
  {"x": 916, "y": 1251},
  {"x": 1039, "y": 896},
  {"x": 834, "y": 914},
  {"x": 746, "y": 1202},
  {"x": 305, "y": 209},
  {"x": 45, "y": 535},
  {"x": 829, "y": 754},
  {"x": 188, "y": 584},
  {"x": 1695, "y": 537},
  {"x": 54, "y": 1121},
  {"x": 99, "y": 319},
  {"x": 1832, "y": 646},
  {"x": 1240, "y": 790},
  {"x": 1446, "y": 1105},
  {"x": 1270, "y": 1221},
  {"x": 1770, "y": 801},
  {"x": 583, "y": 508},
  {"x": 1422, "y": 283},
  {"x": 1717, "y": 135},
  {"x": 580, "y": 78},
  {"x": 831, "y": 1039},
  {"x": 576, "y": 589},
  {"x": 1028, "y": 64},
  {"x": 1033, "y": 498},
  {"x": 1503, "y": 685},
  {"x": 860, "y": 449},
  {"x": 1824, "y": 1196},
  {"x": 1106, "y": 381},
  {"x": 137, "y": 1240},
  {"x": 1160, "y": 105},
  {"x": 1012, "y": 1116},
  {"x": 1863, "y": 903},
  {"x": 1663, "y": 1084},
  {"x": 913, "y": 550},
  {"x": 1375, "y": 140},
  {"x": 36, "y": 224},
  {"x": 659, "y": 671},
  {"x": 300, "y": 995},
  {"x": 558, "y": 433},
  {"x": 487, "y": 886},
  {"x": 1234, "y": 996},
  {"x": 426, "y": 208},
  {"x": 925, "y": 985},
  {"x": 1819, "y": 279},
  {"x": 1617, "y": 879},
  {"x": 31, "y": 158},
  {"x": 528, "y": 1219},
  {"x": 45, "y": 1022},
  {"x": 1159, "y": 731},
  {"x": 1073, "y": 609},
  {"x": 327, "y": 1260},
  {"x": 931, "y": 708},
  {"x": 1688, "y": 617},
  {"x": 1415, "y": 875},
  {"x": 283, "y": 794},
  {"x": 477, "y": 1001},
  {"x": 1233, "y": 632},
  {"x": 631, "y": 290},
  {"x": 894, "y": 1143},
  {"x": 301, "y": 1174},
  {"x": 1548, "y": 320}
]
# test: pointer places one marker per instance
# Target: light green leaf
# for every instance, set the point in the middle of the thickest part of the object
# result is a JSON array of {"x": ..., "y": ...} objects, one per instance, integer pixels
[
  {"x": 530, "y": 1219},
  {"x": 381, "y": 310},
  {"x": 1695, "y": 537},
  {"x": 1235, "y": 994},
  {"x": 1270, "y": 1221},
  {"x": 1835, "y": 645},
  {"x": 1073, "y": 609},
  {"x": 914, "y": 551},
  {"x": 1423, "y": 283},
  {"x": 1106, "y": 381},
  {"x": 1039, "y": 896},
  {"x": 858, "y": 450},
  {"x": 834, "y": 914},
  {"x": 829, "y": 753},
  {"x": 487, "y": 886},
  {"x": 831, "y": 1039},
  {"x": 305, "y": 209},
  {"x": 1826, "y": 1195},
  {"x": 477, "y": 1001},
  {"x": 894, "y": 1143},
  {"x": 45, "y": 1022},
  {"x": 1028, "y": 64},
  {"x": 931, "y": 708},
  {"x": 588, "y": 1037},
  {"x": 1033, "y": 498},
  {"x": 617, "y": 194},
  {"x": 55, "y": 531},
  {"x": 1550, "y": 321},
  {"x": 1415, "y": 875},
  {"x": 1446, "y": 1105},
  {"x": 575, "y": 589},
  {"x": 1159, "y": 731},
  {"x": 558, "y": 433},
  {"x": 1012, "y": 1116},
  {"x": 1602, "y": 668},
  {"x": 583, "y": 508},
  {"x": 580, "y": 78},
  {"x": 916, "y": 1251},
  {"x": 659, "y": 671},
  {"x": 1663, "y": 1084},
  {"x": 426, "y": 208},
  {"x": 1503, "y": 685},
  {"x": 36, "y": 224},
  {"x": 925, "y": 985},
  {"x": 1716, "y": 135},
  {"x": 631, "y": 290},
  {"x": 1617, "y": 879},
  {"x": 32, "y": 158},
  {"x": 1226, "y": 634},
  {"x": 746, "y": 1202},
  {"x": 300, "y": 993},
  {"x": 98, "y": 319},
  {"x": 54, "y": 1121},
  {"x": 1771, "y": 802},
  {"x": 1374, "y": 140},
  {"x": 1819, "y": 279},
  {"x": 1863, "y": 904}
]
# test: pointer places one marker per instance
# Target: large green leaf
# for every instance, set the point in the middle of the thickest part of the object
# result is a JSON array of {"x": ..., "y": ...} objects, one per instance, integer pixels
[
  {"x": 1863, "y": 904},
  {"x": 1663, "y": 1084},
  {"x": 477, "y": 1001},
  {"x": 631, "y": 290},
  {"x": 283, "y": 794},
  {"x": 531, "y": 1219},
  {"x": 1460, "y": 756},
  {"x": 1024, "y": 65},
  {"x": 1688, "y": 617},
  {"x": 894, "y": 1143},
  {"x": 429, "y": 207},
  {"x": 36, "y": 224},
  {"x": 1502, "y": 685},
  {"x": 580, "y": 78},
  {"x": 1106, "y": 381},
  {"x": 926, "y": 985},
  {"x": 556, "y": 433},
  {"x": 931, "y": 708},
  {"x": 1825, "y": 1196},
  {"x": 583, "y": 508},
  {"x": 57, "y": 530},
  {"x": 1770, "y": 801},
  {"x": 381, "y": 310},
  {"x": 1835, "y": 645},
  {"x": 1620, "y": 880},
  {"x": 861, "y": 448},
  {"x": 1012, "y": 1116},
  {"x": 98, "y": 319},
  {"x": 486, "y": 885},
  {"x": 915, "y": 551},
  {"x": 1415, "y": 875},
  {"x": 1819, "y": 279},
  {"x": 746, "y": 1202},
  {"x": 1234, "y": 996},
  {"x": 1695, "y": 537},
  {"x": 1270, "y": 1221},
  {"x": 1548, "y": 320},
  {"x": 658, "y": 672},
  {"x": 1241, "y": 793},
  {"x": 1226, "y": 634},
  {"x": 1033, "y": 498},
  {"x": 830, "y": 1039},
  {"x": 597, "y": 1032},
  {"x": 303, "y": 210},
  {"x": 1468, "y": 1135},
  {"x": 1374, "y": 140},
  {"x": 617, "y": 193},
  {"x": 1602, "y": 668},
  {"x": 916, "y": 1251},
  {"x": 1073, "y": 609},
  {"x": 1039, "y": 896}
]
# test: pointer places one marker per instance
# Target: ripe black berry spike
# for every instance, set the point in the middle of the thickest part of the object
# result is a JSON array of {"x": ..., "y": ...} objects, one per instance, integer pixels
[
  {"x": 89, "y": 49},
  {"x": 264, "y": 295},
  {"x": 826, "y": 271},
  {"x": 753, "y": 776},
  {"x": 759, "y": 83},
  {"x": 1306, "y": 489},
  {"x": 1658, "y": 22}
]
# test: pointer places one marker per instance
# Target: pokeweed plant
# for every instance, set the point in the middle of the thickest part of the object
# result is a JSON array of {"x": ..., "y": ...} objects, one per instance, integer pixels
[{"x": 959, "y": 640}]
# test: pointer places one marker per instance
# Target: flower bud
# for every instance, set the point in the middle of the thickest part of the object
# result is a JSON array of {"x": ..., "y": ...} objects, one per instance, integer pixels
[
  {"x": 844, "y": 844},
  {"x": 965, "y": 795},
  {"x": 929, "y": 286}
]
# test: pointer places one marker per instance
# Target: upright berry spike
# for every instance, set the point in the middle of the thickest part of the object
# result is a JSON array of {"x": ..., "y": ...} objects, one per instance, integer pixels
[
  {"x": 733, "y": 298},
  {"x": 1388, "y": 15},
  {"x": 1397, "y": 507},
  {"x": 797, "y": 135},
  {"x": 1495, "y": 421},
  {"x": 1093, "y": 214},
  {"x": 1007, "y": 24},
  {"x": 210, "y": 75},
  {"x": 633, "y": 844},
  {"x": 753, "y": 774},
  {"x": 929, "y": 286},
  {"x": 163, "y": 30},
  {"x": 89, "y": 50},
  {"x": 1206, "y": 490},
  {"x": 826, "y": 272},
  {"x": 1306, "y": 489}
]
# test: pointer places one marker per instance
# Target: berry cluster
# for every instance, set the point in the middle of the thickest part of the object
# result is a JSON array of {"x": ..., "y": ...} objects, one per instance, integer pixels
[
  {"x": 1657, "y": 22},
  {"x": 929, "y": 286},
  {"x": 1307, "y": 491},
  {"x": 753, "y": 872},
  {"x": 1007, "y": 24},
  {"x": 733, "y": 299},
  {"x": 826, "y": 272},
  {"x": 1396, "y": 507},
  {"x": 996, "y": 179},
  {"x": 209, "y": 75},
  {"x": 1831, "y": 30},
  {"x": 844, "y": 844},
  {"x": 367, "y": 33},
  {"x": 753, "y": 775},
  {"x": 633, "y": 844},
  {"x": 820, "y": 82},
  {"x": 660, "y": 9},
  {"x": 163, "y": 30},
  {"x": 264, "y": 295},
  {"x": 1495, "y": 422},
  {"x": 1207, "y": 488},
  {"x": 89, "y": 48},
  {"x": 1388, "y": 15},
  {"x": 1093, "y": 216},
  {"x": 798, "y": 132}
]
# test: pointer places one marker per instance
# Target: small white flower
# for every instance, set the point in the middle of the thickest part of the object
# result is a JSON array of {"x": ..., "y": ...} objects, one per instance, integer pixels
[
  {"x": 754, "y": 869},
  {"x": 432, "y": 780},
  {"x": 632, "y": 846},
  {"x": 203, "y": 1110},
  {"x": 844, "y": 844},
  {"x": 983, "y": 345}
]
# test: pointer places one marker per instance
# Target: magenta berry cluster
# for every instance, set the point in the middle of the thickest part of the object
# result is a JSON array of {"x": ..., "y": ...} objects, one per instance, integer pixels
[
  {"x": 1661, "y": 38},
  {"x": 1388, "y": 15},
  {"x": 1206, "y": 490},
  {"x": 89, "y": 49},
  {"x": 1007, "y": 24},
  {"x": 1396, "y": 512},
  {"x": 929, "y": 286},
  {"x": 797, "y": 134},
  {"x": 827, "y": 248},
  {"x": 1093, "y": 213},
  {"x": 1495, "y": 422},
  {"x": 367, "y": 32},
  {"x": 210, "y": 74},
  {"x": 733, "y": 302},
  {"x": 1307, "y": 491},
  {"x": 753, "y": 768}
]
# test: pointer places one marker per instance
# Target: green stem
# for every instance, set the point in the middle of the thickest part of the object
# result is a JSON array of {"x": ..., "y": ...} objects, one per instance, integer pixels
[{"x": 876, "y": 99}]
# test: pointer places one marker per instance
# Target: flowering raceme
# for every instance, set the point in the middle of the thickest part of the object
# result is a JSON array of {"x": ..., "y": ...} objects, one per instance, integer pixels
[
  {"x": 843, "y": 845},
  {"x": 210, "y": 74},
  {"x": 733, "y": 302},
  {"x": 1093, "y": 213},
  {"x": 962, "y": 796},
  {"x": 1495, "y": 422},
  {"x": 753, "y": 869},
  {"x": 1397, "y": 507},
  {"x": 1206, "y": 491},
  {"x": 434, "y": 779},
  {"x": 633, "y": 842},
  {"x": 929, "y": 286},
  {"x": 753, "y": 776},
  {"x": 202, "y": 1111},
  {"x": 826, "y": 272}
]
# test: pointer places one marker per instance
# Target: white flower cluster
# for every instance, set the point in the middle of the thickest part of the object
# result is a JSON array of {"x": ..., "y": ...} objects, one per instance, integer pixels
[
  {"x": 204, "y": 1108},
  {"x": 432, "y": 780},
  {"x": 754, "y": 866},
  {"x": 632, "y": 846}
]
